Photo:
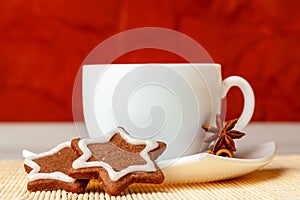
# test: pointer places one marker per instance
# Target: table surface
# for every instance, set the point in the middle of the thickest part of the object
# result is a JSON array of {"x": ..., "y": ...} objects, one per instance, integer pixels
[{"x": 278, "y": 180}]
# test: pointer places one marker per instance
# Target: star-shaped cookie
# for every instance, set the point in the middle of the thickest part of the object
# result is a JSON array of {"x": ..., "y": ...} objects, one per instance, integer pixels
[
  {"x": 117, "y": 160},
  {"x": 49, "y": 170}
]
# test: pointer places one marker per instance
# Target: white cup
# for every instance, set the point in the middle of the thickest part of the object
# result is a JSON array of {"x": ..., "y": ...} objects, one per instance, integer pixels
[{"x": 164, "y": 102}]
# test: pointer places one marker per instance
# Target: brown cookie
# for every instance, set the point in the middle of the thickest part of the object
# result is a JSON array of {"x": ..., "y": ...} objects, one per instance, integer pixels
[
  {"x": 49, "y": 170},
  {"x": 117, "y": 160}
]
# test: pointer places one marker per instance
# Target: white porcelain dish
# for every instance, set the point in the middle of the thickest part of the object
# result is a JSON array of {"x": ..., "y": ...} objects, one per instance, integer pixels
[{"x": 205, "y": 167}]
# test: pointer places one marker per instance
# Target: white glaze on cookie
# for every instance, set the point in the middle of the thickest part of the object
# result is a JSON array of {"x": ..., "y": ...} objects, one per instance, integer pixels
[
  {"x": 35, "y": 174},
  {"x": 81, "y": 162}
]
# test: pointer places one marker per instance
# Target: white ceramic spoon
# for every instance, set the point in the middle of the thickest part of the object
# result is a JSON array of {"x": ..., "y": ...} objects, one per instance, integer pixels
[{"x": 205, "y": 167}]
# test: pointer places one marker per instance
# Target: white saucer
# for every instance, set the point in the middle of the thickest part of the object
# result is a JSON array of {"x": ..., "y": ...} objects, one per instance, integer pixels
[{"x": 205, "y": 167}]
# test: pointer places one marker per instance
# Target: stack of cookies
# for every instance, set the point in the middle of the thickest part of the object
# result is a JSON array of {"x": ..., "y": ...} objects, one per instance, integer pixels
[{"x": 116, "y": 160}]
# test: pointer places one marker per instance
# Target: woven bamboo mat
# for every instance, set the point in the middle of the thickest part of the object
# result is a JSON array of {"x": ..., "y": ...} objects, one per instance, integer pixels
[{"x": 278, "y": 180}]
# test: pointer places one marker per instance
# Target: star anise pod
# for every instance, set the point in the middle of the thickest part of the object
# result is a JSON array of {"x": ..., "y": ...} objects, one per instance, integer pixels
[{"x": 223, "y": 135}]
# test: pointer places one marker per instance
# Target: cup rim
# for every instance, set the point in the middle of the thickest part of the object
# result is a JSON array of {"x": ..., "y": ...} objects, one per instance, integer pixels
[{"x": 168, "y": 64}]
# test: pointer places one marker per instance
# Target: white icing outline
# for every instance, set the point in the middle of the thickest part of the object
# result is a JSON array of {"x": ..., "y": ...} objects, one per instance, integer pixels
[
  {"x": 34, "y": 173},
  {"x": 81, "y": 162}
]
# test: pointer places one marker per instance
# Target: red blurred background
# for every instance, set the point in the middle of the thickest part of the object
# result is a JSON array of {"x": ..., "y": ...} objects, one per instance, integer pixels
[{"x": 43, "y": 43}]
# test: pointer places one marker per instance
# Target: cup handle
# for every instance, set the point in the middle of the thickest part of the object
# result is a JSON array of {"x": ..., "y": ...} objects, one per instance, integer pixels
[{"x": 248, "y": 98}]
